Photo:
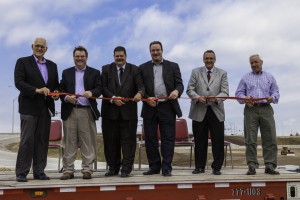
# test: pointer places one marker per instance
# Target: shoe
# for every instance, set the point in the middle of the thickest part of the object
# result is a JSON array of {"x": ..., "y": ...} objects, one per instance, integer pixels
[
  {"x": 198, "y": 171},
  {"x": 217, "y": 172},
  {"x": 67, "y": 176},
  {"x": 251, "y": 170},
  {"x": 167, "y": 173},
  {"x": 41, "y": 176},
  {"x": 151, "y": 172},
  {"x": 87, "y": 175},
  {"x": 124, "y": 175},
  {"x": 111, "y": 173},
  {"x": 21, "y": 178},
  {"x": 271, "y": 171}
]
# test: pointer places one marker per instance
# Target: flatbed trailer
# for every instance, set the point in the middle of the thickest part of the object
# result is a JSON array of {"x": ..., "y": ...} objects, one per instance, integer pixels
[{"x": 233, "y": 184}]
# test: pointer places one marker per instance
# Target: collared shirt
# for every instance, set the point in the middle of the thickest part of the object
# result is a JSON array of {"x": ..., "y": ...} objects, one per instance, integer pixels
[
  {"x": 43, "y": 68},
  {"x": 79, "y": 86},
  {"x": 159, "y": 84},
  {"x": 212, "y": 69},
  {"x": 260, "y": 85}
]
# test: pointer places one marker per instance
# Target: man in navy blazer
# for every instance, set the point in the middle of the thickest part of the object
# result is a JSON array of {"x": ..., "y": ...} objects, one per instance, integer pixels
[
  {"x": 162, "y": 79},
  {"x": 79, "y": 113},
  {"x": 35, "y": 77},
  {"x": 119, "y": 118}
]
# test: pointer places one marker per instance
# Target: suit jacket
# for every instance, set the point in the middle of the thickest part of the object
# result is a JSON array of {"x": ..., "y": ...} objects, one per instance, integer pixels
[
  {"x": 92, "y": 82},
  {"x": 172, "y": 80},
  {"x": 131, "y": 84},
  {"x": 27, "y": 79},
  {"x": 199, "y": 86}
]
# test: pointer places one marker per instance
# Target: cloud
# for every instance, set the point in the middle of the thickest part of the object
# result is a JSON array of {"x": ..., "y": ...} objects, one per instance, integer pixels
[{"x": 233, "y": 29}]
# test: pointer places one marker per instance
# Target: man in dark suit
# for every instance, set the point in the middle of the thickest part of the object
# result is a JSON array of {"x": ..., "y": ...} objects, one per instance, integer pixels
[
  {"x": 208, "y": 115},
  {"x": 119, "y": 118},
  {"x": 35, "y": 77},
  {"x": 79, "y": 114},
  {"x": 162, "y": 79}
]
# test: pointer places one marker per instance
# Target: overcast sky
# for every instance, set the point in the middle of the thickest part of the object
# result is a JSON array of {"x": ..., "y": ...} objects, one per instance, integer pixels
[{"x": 233, "y": 29}]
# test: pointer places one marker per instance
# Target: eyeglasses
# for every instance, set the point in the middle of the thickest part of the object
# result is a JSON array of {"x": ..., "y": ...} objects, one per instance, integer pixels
[
  {"x": 79, "y": 57},
  {"x": 40, "y": 46}
]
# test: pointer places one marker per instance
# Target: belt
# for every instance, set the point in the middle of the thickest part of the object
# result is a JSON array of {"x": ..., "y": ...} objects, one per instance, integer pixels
[
  {"x": 260, "y": 104},
  {"x": 80, "y": 106}
]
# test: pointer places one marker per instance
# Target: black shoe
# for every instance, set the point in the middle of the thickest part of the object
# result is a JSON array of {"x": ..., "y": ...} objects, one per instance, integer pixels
[
  {"x": 271, "y": 171},
  {"x": 124, "y": 175},
  {"x": 198, "y": 171},
  {"x": 111, "y": 173},
  {"x": 21, "y": 178},
  {"x": 251, "y": 171},
  {"x": 167, "y": 173},
  {"x": 41, "y": 176},
  {"x": 151, "y": 172},
  {"x": 217, "y": 172}
]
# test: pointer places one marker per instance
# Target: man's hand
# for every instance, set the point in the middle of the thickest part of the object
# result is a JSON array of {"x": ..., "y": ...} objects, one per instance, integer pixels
[
  {"x": 202, "y": 99},
  {"x": 55, "y": 97},
  {"x": 87, "y": 94},
  {"x": 270, "y": 99},
  {"x": 248, "y": 101},
  {"x": 71, "y": 99},
  {"x": 151, "y": 101},
  {"x": 174, "y": 94},
  {"x": 42, "y": 90},
  {"x": 137, "y": 97},
  {"x": 118, "y": 101}
]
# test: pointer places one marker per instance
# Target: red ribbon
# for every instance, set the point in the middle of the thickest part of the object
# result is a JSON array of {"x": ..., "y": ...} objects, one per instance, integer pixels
[{"x": 154, "y": 98}]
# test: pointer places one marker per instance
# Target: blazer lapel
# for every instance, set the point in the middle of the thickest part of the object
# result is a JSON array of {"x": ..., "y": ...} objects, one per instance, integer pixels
[
  {"x": 114, "y": 71},
  {"x": 204, "y": 75}
]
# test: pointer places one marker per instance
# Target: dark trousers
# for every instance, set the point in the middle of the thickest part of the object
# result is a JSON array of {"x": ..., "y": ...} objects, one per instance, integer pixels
[
  {"x": 165, "y": 118},
  {"x": 200, "y": 132},
  {"x": 33, "y": 147},
  {"x": 119, "y": 137}
]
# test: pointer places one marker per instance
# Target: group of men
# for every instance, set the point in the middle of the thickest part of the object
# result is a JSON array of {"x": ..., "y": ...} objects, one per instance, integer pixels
[{"x": 158, "y": 82}]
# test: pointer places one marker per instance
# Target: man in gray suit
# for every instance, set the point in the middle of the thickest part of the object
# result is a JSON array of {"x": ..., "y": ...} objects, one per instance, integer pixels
[{"x": 208, "y": 113}]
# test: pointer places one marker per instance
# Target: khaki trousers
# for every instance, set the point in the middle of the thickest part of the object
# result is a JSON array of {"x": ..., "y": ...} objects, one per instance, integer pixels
[{"x": 80, "y": 132}]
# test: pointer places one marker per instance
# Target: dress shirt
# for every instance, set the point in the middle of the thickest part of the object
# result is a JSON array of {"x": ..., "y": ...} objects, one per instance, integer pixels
[
  {"x": 159, "y": 84},
  {"x": 43, "y": 68},
  {"x": 260, "y": 85},
  {"x": 79, "y": 86}
]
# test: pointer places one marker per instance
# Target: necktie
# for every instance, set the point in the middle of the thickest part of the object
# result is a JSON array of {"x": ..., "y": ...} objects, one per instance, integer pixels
[
  {"x": 121, "y": 74},
  {"x": 208, "y": 75}
]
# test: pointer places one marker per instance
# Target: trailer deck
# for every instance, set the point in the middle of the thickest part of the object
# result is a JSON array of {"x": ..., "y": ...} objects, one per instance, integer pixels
[{"x": 232, "y": 184}]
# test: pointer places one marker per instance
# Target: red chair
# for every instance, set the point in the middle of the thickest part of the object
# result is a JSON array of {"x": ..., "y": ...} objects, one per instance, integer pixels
[
  {"x": 182, "y": 138},
  {"x": 55, "y": 139}
]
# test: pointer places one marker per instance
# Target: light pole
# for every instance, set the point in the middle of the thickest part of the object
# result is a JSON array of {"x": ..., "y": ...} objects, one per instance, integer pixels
[{"x": 13, "y": 116}]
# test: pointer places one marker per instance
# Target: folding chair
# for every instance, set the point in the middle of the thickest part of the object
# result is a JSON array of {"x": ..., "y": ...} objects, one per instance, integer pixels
[{"x": 55, "y": 139}]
